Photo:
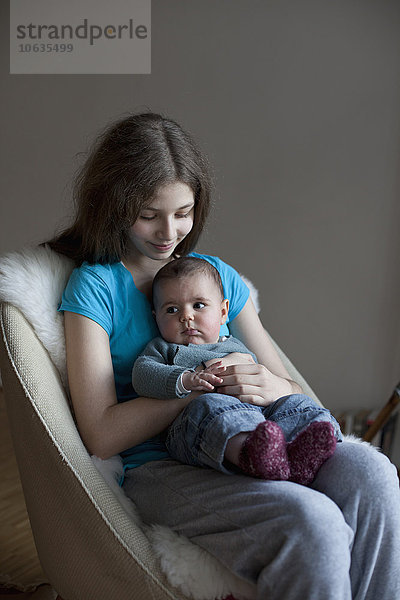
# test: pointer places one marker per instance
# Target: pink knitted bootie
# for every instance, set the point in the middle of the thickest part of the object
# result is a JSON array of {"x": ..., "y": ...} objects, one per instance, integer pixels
[
  {"x": 263, "y": 454},
  {"x": 309, "y": 450}
]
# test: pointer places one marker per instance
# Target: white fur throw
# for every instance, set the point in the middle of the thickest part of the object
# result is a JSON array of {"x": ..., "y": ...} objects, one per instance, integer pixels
[{"x": 33, "y": 280}]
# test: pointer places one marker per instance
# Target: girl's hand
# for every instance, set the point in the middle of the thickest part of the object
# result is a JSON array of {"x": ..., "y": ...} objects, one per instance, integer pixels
[
  {"x": 205, "y": 379},
  {"x": 234, "y": 358},
  {"x": 254, "y": 384}
]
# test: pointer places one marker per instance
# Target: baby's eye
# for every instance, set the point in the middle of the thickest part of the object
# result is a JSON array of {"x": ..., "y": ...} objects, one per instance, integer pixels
[
  {"x": 172, "y": 309},
  {"x": 198, "y": 305}
]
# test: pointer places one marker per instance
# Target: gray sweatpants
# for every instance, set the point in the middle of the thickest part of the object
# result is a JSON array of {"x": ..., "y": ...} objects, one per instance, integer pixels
[{"x": 335, "y": 540}]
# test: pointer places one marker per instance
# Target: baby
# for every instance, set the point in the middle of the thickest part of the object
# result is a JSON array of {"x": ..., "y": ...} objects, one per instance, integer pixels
[{"x": 189, "y": 307}]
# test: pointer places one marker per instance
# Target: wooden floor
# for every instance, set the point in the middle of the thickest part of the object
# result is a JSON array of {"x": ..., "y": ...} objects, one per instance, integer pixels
[{"x": 18, "y": 558}]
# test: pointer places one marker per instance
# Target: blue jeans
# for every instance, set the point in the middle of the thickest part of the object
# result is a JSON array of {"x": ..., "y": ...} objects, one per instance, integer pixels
[{"x": 199, "y": 435}]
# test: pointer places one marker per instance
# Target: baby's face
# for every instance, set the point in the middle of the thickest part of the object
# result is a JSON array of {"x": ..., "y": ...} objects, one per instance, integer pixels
[{"x": 190, "y": 310}]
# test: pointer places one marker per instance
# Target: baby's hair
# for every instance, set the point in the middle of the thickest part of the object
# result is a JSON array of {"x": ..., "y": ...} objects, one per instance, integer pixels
[{"x": 186, "y": 266}]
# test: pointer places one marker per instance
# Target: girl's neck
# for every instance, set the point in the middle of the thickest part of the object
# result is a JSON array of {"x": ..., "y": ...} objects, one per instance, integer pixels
[{"x": 143, "y": 271}]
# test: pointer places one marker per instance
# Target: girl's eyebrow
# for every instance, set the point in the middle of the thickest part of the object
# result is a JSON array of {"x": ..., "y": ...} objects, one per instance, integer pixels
[{"x": 191, "y": 204}]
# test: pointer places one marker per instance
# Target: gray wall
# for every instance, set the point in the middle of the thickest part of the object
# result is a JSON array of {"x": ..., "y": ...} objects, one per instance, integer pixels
[{"x": 297, "y": 105}]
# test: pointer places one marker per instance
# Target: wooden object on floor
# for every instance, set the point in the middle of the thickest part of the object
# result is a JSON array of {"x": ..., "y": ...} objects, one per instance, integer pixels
[
  {"x": 383, "y": 415},
  {"x": 19, "y": 564}
]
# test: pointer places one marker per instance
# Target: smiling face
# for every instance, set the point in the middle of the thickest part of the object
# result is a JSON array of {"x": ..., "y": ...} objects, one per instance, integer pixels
[
  {"x": 163, "y": 223},
  {"x": 190, "y": 310}
]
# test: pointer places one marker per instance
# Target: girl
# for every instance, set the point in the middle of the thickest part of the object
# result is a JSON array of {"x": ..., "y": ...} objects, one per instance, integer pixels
[{"x": 142, "y": 199}]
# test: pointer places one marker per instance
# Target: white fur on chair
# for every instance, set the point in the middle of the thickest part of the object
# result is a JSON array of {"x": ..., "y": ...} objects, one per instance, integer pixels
[{"x": 33, "y": 280}]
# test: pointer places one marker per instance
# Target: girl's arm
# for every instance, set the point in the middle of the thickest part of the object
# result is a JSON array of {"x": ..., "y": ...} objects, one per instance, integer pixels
[
  {"x": 249, "y": 329},
  {"x": 258, "y": 384},
  {"x": 106, "y": 426}
]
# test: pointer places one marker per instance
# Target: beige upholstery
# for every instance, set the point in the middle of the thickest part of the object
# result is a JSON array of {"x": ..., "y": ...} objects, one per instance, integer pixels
[{"x": 88, "y": 546}]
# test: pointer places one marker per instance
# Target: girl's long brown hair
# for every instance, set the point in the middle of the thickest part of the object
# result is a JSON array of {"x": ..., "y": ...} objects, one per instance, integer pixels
[{"x": 125, "y": 168}]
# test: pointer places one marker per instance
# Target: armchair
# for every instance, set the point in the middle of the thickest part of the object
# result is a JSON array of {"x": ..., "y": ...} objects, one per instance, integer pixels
[{"x": 89, "y": 539}]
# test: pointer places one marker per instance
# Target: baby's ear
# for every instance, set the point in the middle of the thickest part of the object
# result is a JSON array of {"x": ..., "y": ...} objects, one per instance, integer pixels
[{"x": 224, "y": 310}]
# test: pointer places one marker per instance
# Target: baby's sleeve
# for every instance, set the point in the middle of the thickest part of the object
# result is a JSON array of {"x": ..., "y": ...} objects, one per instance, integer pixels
[{"x": 152, "y": 376}]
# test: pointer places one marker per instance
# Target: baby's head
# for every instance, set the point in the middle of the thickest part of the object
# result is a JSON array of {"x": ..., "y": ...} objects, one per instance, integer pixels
[{"x": 188, "y": 301}]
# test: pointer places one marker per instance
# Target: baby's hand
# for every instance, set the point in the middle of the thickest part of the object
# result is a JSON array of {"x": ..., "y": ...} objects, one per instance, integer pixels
[{"x": 206, "y": 379}]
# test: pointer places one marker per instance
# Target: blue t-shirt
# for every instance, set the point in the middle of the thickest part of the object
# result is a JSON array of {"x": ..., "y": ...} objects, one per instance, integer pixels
[{"x": 107, "y": 294}]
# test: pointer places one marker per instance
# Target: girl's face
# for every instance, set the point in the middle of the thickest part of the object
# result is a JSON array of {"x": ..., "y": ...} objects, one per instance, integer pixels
[{"x": 164, "y": 222}]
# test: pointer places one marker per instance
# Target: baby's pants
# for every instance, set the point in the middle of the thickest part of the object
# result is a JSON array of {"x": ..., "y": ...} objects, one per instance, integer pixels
[{"x": 199, "y": 435}]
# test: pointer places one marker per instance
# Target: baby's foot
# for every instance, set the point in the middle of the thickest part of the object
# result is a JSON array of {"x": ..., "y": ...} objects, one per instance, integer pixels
[
  {"x": 263, "y": 454},
  {"x": 309, "y": 450}
]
